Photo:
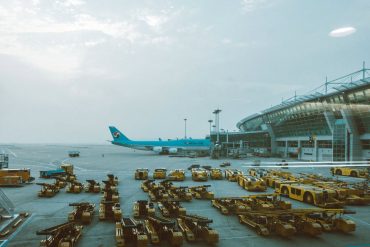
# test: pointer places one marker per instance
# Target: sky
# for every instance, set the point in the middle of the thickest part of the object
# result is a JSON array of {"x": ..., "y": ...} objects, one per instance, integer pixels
[{"x": 71, "y": 68}]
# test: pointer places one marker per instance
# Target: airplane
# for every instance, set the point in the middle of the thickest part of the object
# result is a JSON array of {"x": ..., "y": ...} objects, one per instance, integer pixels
[{"x": 160, "y": 147}]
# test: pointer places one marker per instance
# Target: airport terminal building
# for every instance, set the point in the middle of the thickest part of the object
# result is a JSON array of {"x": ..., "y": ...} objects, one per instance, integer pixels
[{"x": 331, "y": 123}]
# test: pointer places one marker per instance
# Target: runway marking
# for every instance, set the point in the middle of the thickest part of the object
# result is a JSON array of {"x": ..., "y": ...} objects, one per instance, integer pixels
[
  {"x": 362, "y": 221},
  {"x": 10, "y": 151},
  {"x": 21, "y": 227},
  {"x": 238, "y": 237},
  {"x": 38, "y": 162}
]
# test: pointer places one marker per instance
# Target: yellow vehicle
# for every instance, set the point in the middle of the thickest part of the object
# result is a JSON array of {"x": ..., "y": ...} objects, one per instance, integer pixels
[
  {"x": 141, "y": 174},
  {"x": 251, "y": 183},
  {"x": 216, "y": 174},
  {"x": 257, "y": 172},
  {"x": 113, "y": 180},
  {"x": 15, "y": 177},
  {"x": 177, "y": 175},
  {"x": 109, "y": 210},
  {"x": 232, "y": 174},
  {"x": 68, "y": 168},
  {"x": 275, "y": 181},
  {"x": 47, "y": 190},
  {"x": 159, "y": 173},
  {"x": 75, "y": 187},
  {"x": 130, "y": 232},
  {"x": 350, "y": 171},
  {"x": 199, "y": 174},
  {"x": 321, "y": 197},
  {"x": 82, "y": 212},
  {"x": 201, "y": 192},
  {"x": 196, "y": 227},
  {"x": 92, "y": 186},
  {"x": 66, "y": 234}
]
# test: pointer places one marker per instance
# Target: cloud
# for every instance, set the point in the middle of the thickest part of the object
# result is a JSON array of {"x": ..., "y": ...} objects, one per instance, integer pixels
[
  {"x": 71, "y": 3},
  {"x": 342, "y": 32},
  {"x": 252, "y": 5}
]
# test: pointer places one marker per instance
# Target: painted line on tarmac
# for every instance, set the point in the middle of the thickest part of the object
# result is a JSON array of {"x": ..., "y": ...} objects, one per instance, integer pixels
[
  {"x": 10, "y": 151},
  {"x": 38, "y": 162},
  {"x": 238, "y": 237},
  {"x": 21, "y": 227},
  {"x": 362, "y": 221},
  {"x": 207, "y": 209}
]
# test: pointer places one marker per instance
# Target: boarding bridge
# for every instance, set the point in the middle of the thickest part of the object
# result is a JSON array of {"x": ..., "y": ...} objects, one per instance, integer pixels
[{"x": 6, "y": 206}]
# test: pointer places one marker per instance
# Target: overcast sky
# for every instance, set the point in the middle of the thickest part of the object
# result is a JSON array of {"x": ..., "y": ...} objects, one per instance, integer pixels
[{"x": 70, "y": 68}]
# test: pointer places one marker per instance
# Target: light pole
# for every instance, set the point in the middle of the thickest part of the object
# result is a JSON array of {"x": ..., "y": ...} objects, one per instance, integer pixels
[
  {"x": 185, "y": 126},
  {"x": 210, "y": 127},
  {"x": 217, "y": 121}
]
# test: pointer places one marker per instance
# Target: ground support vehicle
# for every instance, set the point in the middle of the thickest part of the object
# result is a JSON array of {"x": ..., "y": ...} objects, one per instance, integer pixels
[
  {"x": 310, "y": 221},
  {"x": 60, "y": 182},
  {"x": 141, "y": 173},
  {"x": 266, "y": 202},
  {"x": 15, "y": 177},
  {"x": 109, "y": 210},
  {"x": 350, "y": 171},
  {"x": 180, "y": 193},
  {"x": 171, "y": 208},
  {"x": 163, "y": 209},
  {"x": 216, "y": 174},
  {"x": 75, "y": 187},
  {"x": 66, "y": 234},
  {"x": 265, "y": 223},
  {"x": 110, "y": 192},
  {"x": 83, "y": 212},
  {"x": 282, "y": 174},
  {"x": 130, "y": 231},
  {"x": 201, "y": 192},
  {"x": 241, "y": 205},
  {"x": 251, "y": 183},
  {"x": 176, "y": 175},
  {"x": 193, "y": 166},
  {"x": 143, "y": 208},
  {"x": 52, "y": 173},
  {"x": 47, "y": 190},
  {"x": 68, "y": 168},
  {"x": 112, "y": 179},
  {"x": 199, "y": 174},
  {"x": 347, "y": 193},
  {"x": 74, "y": 154},
  {"x": 158, "y": 194},
  {"x": 324, "y": 198},
  {"x": 148, "y": 185},
  {"x": 196, "y": 227},
  {"x": 275, "y": 181},
  {"x": 257, "y": 172},
  {"x": 92, "y": 186},
  {"x": 232, "y": 174},
  {"x": 329, "y": 219},
  {"x": 159, "y": 173},
  {"x": 166, "y": 184},
  {"x": 225, "y": 164},
  {"x": 161, "y": 229}
]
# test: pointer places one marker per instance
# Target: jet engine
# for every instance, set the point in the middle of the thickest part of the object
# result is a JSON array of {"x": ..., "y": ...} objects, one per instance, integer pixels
[
  {"x": 157, "y": 149},
  {"x": 172, "y": 150}
]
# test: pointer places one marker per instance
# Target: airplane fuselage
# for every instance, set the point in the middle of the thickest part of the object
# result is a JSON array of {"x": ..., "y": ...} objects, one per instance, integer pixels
[{"x": 185, "y": 144}]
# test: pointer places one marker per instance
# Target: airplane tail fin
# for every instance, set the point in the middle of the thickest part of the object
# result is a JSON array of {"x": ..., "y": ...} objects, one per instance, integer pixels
[{"x": 117, "y": 135}]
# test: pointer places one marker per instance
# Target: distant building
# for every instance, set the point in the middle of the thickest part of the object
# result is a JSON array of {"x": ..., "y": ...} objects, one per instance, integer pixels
[{"x": 332, "y": 123}]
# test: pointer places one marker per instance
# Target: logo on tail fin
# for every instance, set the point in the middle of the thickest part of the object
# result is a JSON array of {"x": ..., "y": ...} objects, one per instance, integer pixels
[{"x": 116, "y": 134}]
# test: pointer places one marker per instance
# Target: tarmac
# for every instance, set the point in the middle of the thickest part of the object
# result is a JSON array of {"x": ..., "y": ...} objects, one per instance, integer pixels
[{"x": 96, "y": 161}]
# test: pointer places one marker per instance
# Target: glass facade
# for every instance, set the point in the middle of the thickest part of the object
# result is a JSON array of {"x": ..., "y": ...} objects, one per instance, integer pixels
[{"x": 332, "y": 121}]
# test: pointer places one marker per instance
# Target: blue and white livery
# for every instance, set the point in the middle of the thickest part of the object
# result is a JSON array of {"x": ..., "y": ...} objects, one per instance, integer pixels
[{"x": 161, "y": 147}]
